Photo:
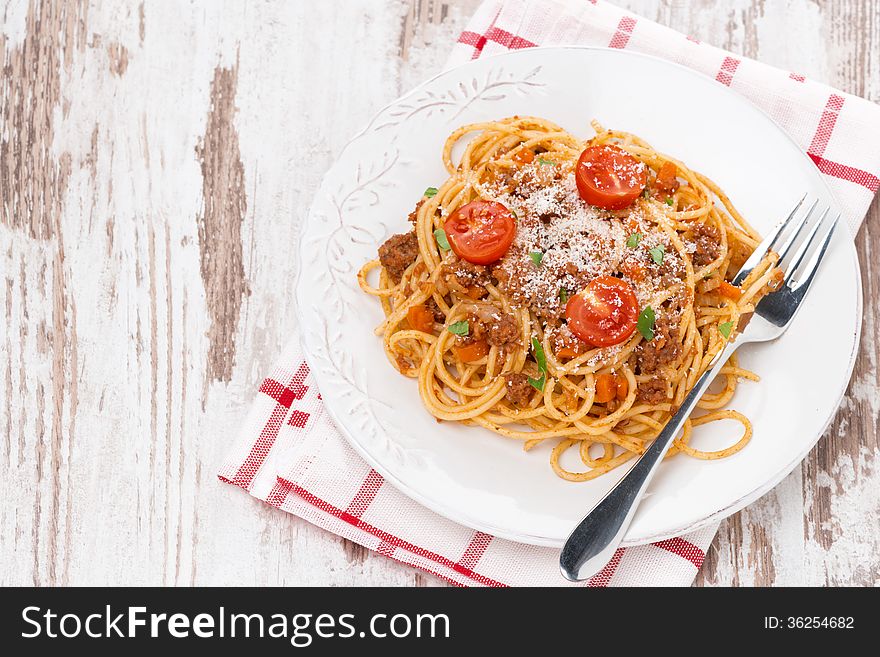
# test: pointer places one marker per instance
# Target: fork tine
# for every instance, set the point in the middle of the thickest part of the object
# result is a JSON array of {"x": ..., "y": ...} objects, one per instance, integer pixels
[
  {"x": 768, "y": 244},
  {"x": 801, "y": 252},
  {"x": 796, "y": 231},
  {"x": 774, "y": 236},
  {"x": 801, "y": 284}
]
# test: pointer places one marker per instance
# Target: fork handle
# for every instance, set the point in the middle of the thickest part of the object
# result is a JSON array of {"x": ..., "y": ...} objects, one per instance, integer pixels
[{"x": 594, "y": 541}]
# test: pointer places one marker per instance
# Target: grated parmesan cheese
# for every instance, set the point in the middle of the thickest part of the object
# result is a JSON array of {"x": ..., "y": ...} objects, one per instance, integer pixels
[{"x": 578, "y": 241}]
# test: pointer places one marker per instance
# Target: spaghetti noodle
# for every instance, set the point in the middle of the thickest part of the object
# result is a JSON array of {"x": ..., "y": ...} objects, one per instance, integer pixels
[{"x": 513, "y": 301}]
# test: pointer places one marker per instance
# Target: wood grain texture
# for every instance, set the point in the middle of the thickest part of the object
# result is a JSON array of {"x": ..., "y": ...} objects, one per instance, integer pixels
[
  {"x": 155, "y": 166},
  {"x": 225, "y": 203}
]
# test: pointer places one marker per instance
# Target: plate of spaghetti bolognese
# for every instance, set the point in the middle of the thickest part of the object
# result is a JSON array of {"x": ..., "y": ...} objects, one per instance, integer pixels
[{"x": 515, "y": 273}]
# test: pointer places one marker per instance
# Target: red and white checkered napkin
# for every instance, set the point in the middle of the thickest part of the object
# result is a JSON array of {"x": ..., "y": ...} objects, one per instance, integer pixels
[{"x": 290, "y": 455}]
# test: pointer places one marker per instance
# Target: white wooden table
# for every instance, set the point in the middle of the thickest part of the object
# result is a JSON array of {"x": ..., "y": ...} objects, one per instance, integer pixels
[{"x": 156, "y": 160}]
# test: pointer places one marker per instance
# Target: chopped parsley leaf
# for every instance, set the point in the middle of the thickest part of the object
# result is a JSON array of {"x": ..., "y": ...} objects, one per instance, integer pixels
[
  {"x": 536, "y": 257},
  {"x": 442, "y": 241},
  {"x": 431, "y": 192},
  {"x": 538, "y": 384},
  {"x": 657, "y": 253},
  {"x": 633, "y": 240},
  {"x": 645, "y": 323},
  {"x": 725, "y": 329},
  {"x": 541, "y": 359},
  {"x": 460, "y": 329}
]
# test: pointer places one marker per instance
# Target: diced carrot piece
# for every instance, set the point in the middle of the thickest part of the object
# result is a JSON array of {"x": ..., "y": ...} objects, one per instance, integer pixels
[
  {"x": 730, "y": 291},
  {"x": 666, "y": 182},
  {"x": 571, "y": 349},
  {"x": 420, "y": 318},
  {"x": 606, "y": 388},
  {"x": 472, "y": 351},
  {"x": 634, "y": 269},
  {"x": 622, "y": 388},
  {"x": 524, "y": 156}
]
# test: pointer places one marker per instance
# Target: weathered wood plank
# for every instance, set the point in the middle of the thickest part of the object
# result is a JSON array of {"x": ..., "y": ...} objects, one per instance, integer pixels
[{"x": 155, "y": 166}]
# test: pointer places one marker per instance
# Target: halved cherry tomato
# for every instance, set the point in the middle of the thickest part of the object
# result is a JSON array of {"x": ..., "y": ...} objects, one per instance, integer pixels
[
  {"x": 480, "y": 232},
  {"x": 472, "y": 351},
  {"x": 609, "y": 177},
  {"x": 606, "y": 388},
  {"x": 603, "y": 313},
  {"x": 730, "y": 291},
  {"x": 420, "y": 318}
]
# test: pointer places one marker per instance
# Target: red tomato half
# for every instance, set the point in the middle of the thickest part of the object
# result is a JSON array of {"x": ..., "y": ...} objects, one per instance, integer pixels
[
  {"x": 480, "y": 232},
  {"x": 604, "y": 313},
  {"x": 609, "y": 177}
]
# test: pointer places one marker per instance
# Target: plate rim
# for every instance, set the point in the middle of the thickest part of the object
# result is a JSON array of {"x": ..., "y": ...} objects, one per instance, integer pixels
[{"x": 456, "y": 515}]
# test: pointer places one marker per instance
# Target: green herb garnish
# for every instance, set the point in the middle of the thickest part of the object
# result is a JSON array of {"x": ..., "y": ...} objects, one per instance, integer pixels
[
  {"x": 563, "y": 295},
  {"x": 459, "y": 328},
  {"x": 440, "y": 236},
  {"x": 633, "y": 240},
  {"x": 536, "y": 257},
  {"x": 657, "y": 253},
  {"x": 646, "y": 323},
  {"x": 541, "y": 359},
  {"x": 669, "y": 201},
  {"x": 431, "y": 192},
  {"x": 725, "y": 329},
  {"x": 541, "y": 160}
]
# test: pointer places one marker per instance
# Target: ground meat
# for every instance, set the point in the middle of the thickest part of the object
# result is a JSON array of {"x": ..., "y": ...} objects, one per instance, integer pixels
[
  {"x": 540, "y": 175},
  {"x": 707, "y": 241},
  {"x": 652, "y": 391},
  {"x": 502, "y": 179},
  {"x": 738, "y": 253},
  {"x": 500, "y": 275},
  {"x": 489, "y": 323},
  {"x": 434, "y": 309},
  {"x": 663, "y": 349},
  {"x": 672, "y": 271},
  {"x": 413, "y": 215},
  {"x": 398, "y": 253},
  {"x": 562, "y": 338},
  {"x": 504, "y": 331},
  {"x": 519, "y": 390},
  {"x": 468, "y": 274}
]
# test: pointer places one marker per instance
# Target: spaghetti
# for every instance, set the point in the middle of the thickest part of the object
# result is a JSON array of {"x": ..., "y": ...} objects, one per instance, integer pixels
[{"x": 556, "y": 290}]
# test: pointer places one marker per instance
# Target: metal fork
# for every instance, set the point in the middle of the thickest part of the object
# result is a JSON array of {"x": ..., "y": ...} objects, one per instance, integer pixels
[{"x": 593, "y": 542}]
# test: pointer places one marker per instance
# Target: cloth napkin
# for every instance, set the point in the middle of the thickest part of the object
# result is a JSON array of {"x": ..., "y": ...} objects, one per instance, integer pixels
[{"x": 289, "y": 453}]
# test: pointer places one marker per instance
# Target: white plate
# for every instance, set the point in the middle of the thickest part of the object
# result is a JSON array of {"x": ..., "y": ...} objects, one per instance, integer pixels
[{"x": 475, "y": 477}]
